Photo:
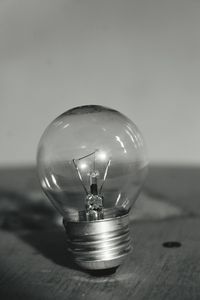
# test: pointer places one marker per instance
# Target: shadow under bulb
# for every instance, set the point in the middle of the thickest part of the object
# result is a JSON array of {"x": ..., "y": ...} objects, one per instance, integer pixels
[{"x": 92, "y": 164}]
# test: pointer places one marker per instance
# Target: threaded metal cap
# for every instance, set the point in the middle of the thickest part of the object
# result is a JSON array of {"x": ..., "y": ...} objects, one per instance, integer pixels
[{"x": 100, "y": 244}]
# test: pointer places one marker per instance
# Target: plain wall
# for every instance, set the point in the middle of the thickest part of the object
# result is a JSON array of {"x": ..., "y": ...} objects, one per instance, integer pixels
[{"x": 140, "y": 57}]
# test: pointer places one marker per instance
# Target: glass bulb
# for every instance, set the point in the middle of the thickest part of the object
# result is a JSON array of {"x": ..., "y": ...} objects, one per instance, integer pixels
[{"x": 91, "y": 165}]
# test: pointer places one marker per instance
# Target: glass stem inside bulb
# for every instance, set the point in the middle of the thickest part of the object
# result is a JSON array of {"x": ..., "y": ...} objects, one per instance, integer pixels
[
  {"x": 94, "y": 201},
  {"x": 94, "y": 198}
]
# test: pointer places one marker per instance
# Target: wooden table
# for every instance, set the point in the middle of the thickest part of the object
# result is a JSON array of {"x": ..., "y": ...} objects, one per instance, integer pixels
[{"x": 34, "y": 263}]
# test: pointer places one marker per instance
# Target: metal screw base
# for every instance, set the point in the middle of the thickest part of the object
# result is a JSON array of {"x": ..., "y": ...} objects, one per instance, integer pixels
[{"x": 100, "y": 244}]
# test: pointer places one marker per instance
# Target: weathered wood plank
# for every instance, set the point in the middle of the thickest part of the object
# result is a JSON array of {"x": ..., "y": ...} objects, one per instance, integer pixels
[{"x": 34, "y": 262}]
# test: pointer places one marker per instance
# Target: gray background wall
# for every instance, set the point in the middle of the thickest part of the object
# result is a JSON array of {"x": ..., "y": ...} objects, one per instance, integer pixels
[{"x": 141, "y": 57}]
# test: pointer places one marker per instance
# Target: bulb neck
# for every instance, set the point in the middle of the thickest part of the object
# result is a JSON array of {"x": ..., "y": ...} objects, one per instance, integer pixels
[{"x": 99, "y": 244}]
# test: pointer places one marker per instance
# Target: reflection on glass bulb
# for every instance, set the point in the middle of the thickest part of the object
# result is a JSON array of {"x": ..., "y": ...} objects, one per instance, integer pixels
[
  {"x": 92, "y": 164},
  {"x": 101, "y": 155}
]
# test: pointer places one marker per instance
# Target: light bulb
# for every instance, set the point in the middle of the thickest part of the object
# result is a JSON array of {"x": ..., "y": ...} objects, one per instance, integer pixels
[{"x": 92, "y": 164}]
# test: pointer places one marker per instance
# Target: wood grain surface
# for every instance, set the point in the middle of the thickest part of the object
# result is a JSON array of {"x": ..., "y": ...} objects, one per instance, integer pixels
[{"x": 34, "y": 263}]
